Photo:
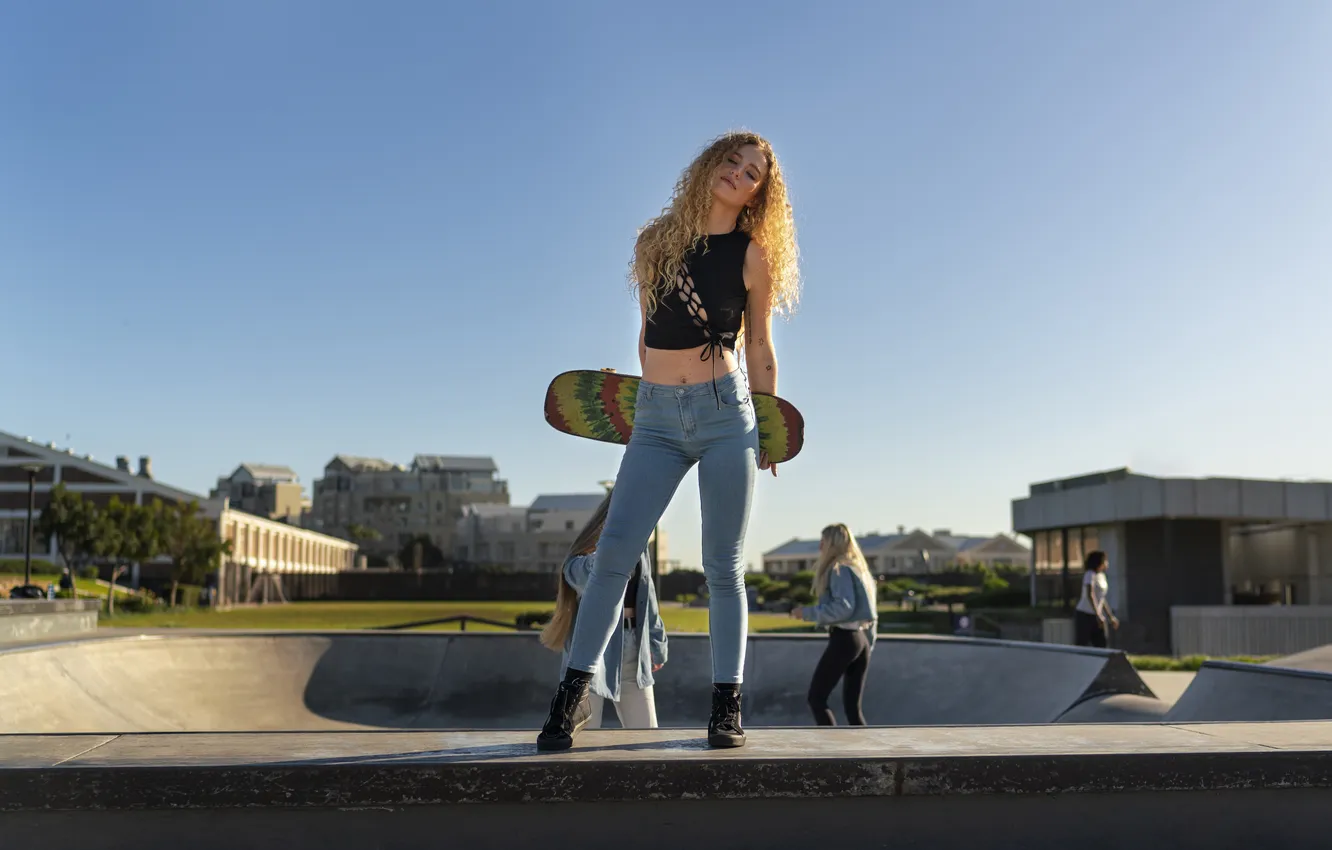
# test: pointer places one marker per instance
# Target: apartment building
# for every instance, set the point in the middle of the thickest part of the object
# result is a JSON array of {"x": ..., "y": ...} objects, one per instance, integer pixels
[
  {"x": 533, "y": 538},
  {"x": 402, "y": 503},
  {"x": 264, "y": 490}
]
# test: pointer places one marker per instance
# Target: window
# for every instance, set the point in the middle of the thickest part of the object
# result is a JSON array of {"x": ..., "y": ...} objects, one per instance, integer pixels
[
  {"x": 569, "y": 525},
  {"x": 11, "y": 536},
  {"x": 1091, "y": 539},
  {"x": 1075, "y": 553}
]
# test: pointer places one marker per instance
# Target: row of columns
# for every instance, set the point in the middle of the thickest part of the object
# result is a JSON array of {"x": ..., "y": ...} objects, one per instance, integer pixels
[{"x": 252, "y": 543}]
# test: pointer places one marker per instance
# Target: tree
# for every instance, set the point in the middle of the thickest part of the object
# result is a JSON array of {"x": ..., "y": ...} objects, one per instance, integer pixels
[
  {"x": 191, "y": 541},
  {"x": 358, "y": 533},
  {"x": 71, "y": 519},
  {"x": 431, "y": 556}
]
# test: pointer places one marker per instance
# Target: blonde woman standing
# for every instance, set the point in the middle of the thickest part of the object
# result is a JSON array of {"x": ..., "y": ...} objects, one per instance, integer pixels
[
  {"x": 636, "y": 650},
  {"x": 848, "y": 606},
  {"x": 714, "y": 267}
]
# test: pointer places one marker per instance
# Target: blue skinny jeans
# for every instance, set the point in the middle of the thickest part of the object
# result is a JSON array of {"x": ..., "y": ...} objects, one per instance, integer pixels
[{"x": 676, "y": 427}]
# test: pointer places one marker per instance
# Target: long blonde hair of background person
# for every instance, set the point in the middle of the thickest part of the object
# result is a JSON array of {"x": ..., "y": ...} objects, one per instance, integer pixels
[{"x": 840, "y": 547}]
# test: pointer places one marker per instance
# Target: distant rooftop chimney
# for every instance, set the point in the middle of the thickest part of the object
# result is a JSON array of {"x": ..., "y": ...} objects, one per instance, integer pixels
[
  {"x": 942, "y": 532},
  {"x": 122, "y": 463},
  {"x": 145, "y": 466},
  {"x": 901, "y": 529}
]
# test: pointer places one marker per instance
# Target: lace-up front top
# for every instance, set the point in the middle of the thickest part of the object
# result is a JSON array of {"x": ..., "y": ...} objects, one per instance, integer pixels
[{"x": 706, "y": 303}]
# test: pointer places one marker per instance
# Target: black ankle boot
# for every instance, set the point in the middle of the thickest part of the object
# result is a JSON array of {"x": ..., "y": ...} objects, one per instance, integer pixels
[
  {"x": 569, "y": 712},
  {"x": 724, "y": 728}
]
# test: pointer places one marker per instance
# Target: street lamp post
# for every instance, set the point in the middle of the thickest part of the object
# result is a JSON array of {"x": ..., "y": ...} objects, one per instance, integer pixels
[{"x": 32, "y": 469}]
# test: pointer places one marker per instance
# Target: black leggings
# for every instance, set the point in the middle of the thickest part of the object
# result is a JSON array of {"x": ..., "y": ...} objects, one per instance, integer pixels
[
  {"x": 1087, "y": 630},
  {"x": 848, "y": 655}
]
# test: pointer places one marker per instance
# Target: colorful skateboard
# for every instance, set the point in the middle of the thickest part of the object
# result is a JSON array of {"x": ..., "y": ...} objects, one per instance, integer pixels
[{"x": 599, "y": 405}]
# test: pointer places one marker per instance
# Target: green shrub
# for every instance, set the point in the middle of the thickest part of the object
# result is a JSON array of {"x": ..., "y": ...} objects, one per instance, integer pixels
[
  {"x": 804, "y": 578},
  {"x": 776, "y": 591},
  {"x": 801, "y": 596},
  {"x": 140, "y": 603},
  {"x": 758, "y": 580},
  {"x": 1012, "y": 597}
]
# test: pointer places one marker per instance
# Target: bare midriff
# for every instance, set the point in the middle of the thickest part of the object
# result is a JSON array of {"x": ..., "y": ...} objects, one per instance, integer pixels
[{"x": 685, "y": 366}]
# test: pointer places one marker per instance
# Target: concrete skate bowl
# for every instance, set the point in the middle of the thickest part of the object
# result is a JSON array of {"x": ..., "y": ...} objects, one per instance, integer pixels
[
  {"x": 1230, "y": 691},
  {"x": 288, "y": 681}
]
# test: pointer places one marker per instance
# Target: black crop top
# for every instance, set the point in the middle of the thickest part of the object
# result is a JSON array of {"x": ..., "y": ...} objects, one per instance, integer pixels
[{"x": 711, "y": 283}]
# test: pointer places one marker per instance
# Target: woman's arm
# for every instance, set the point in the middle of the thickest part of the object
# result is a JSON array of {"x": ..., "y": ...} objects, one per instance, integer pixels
[
  {"x": 578, "y": 569},
  {"x": 642, "y": 332},
  {"x": 657, "y": 638},
  {"x": 760, "y": 355},
  {"x": 837, "y": 604}
]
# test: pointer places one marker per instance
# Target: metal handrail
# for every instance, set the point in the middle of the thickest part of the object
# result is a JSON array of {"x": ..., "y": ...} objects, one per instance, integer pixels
[{"x": 463, "y": 619}]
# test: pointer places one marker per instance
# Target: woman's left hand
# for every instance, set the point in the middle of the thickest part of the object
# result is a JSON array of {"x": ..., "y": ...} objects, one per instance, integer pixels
[
  {"x": 797, "y": 613},
  {"x": 764, "y": 464}
]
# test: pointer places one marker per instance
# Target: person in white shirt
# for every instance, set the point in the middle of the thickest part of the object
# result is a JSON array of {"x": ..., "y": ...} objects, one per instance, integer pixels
[{"x": 1093, "y": 610}]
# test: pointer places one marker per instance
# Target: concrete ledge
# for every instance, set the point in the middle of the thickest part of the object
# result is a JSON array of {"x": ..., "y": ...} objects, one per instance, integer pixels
[
  {"x": 16, "y": 607},
  {"x": 407, "y": 769},
  {"x": 45, "y": 619}
]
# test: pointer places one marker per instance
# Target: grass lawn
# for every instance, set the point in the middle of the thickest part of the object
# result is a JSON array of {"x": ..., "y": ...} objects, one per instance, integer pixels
[
  {"x": 85, "y": 586},
  {"x": 368, "y": 615}
]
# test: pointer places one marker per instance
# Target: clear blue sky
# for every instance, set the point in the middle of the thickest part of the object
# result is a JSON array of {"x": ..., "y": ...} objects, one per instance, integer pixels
[{"x": 1039, "y": 238}]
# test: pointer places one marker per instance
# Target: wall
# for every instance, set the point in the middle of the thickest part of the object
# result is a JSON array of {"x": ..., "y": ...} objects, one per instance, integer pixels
[
  {"x": 1168, "y": 563},
  {"x": 1250, "y": 629}
]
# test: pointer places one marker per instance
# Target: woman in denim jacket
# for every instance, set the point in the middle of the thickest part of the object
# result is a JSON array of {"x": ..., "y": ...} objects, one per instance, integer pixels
[
  {"x": 636, "y": 650},
  {"x": 848, "y": 606}
]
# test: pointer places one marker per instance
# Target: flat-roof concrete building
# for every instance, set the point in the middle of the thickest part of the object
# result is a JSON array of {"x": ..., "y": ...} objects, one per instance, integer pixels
[{"x": 1180, "y": 546}]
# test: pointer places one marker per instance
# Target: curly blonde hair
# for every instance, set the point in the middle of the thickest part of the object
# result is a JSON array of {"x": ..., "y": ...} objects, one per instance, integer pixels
[{"x": 663, "y": 243}]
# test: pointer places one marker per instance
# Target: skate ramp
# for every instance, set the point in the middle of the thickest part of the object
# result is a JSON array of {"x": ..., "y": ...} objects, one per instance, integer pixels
[
  {"x": 1318, "y": 659},
  {"x": 1229, "y": 691},
  {"x": 284, "y": 681}
]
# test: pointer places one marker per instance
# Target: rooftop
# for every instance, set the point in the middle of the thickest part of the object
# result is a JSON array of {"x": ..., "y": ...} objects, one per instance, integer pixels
[
  {"x": 1122, "y": 495},
  {"x": 568, "y": 502},
  {"x": 453, "y": 463},
  {"x": 268, "y": 472}
]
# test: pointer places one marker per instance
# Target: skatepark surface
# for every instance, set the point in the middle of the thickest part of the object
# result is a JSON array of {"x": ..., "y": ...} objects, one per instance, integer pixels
[
  {"x": 278, "y": 681},
  {"x": 227, "y": 681}
]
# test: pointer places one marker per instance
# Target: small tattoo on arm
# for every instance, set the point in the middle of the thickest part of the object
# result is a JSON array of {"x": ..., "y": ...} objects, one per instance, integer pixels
[{"x": 769, "y": 367}]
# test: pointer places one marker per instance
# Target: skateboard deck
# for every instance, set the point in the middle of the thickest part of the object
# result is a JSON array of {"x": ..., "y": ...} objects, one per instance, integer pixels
[{"x": 599, "y": 405}]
